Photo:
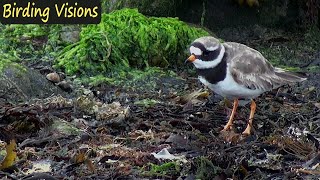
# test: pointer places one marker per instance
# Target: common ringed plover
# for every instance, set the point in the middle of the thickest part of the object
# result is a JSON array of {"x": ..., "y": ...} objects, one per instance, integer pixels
[{"x": 235, "y": 71}]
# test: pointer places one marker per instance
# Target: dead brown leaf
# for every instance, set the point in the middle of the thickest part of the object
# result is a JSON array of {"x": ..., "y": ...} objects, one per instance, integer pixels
[
  {"x": 11, "y": 155},
  {"x": 194, "y": 96},
  {"x": 80, "y": 157},
  {"x": 90, "y": 165}
]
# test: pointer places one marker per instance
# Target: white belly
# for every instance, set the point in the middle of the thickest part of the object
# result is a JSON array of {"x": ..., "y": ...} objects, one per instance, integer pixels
[{"x": 230, "y": 89}]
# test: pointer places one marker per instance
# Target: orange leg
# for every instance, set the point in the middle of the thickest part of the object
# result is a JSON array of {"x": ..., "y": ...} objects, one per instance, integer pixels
[
  {"x": 234, "y": 109},
  {"x": 253, "y": 106}
]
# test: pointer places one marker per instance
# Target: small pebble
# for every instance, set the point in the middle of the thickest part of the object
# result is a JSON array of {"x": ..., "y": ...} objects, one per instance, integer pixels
[{"x": 53, "y": 77}]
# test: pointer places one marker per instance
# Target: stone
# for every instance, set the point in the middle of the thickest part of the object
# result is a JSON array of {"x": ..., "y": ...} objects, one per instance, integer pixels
[
  {"x": 53, "y": 77},
  {"x": 20, "y": 84}
]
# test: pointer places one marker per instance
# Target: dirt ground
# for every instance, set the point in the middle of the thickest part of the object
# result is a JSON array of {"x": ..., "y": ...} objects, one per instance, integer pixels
[{"x": 170, "y": 132}]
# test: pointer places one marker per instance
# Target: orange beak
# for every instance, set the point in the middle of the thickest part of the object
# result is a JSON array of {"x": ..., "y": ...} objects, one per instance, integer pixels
[{"x": 191, "y": 58}]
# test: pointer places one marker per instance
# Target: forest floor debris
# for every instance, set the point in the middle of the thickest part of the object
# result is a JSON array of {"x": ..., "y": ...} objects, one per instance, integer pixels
[{"x": 163, "y": 135}]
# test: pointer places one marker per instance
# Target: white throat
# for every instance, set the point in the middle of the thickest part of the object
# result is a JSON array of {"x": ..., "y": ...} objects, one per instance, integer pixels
[{"x": 199, "y": 64}]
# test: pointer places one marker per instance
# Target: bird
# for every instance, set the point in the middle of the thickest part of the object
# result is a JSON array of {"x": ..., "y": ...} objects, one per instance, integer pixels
[{"x": 236, "y": 71}]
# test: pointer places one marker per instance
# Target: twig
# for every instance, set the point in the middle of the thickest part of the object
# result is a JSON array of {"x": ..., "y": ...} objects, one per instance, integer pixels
[{"x": 311, "y": 172}]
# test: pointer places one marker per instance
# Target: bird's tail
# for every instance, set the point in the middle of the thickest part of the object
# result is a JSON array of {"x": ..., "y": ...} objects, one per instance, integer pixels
[{"x": 289, "y": 77}]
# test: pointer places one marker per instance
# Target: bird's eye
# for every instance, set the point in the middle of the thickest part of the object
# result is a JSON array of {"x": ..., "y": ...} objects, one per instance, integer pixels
[{"x": 205, "y": 53}]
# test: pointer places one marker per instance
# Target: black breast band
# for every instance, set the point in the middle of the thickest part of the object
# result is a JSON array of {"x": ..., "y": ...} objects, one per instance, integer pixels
[{"x": 215, "y": 74}]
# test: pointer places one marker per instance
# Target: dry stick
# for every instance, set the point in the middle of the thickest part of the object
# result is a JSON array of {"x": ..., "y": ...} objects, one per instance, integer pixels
[{"x": 311, "y": 172}]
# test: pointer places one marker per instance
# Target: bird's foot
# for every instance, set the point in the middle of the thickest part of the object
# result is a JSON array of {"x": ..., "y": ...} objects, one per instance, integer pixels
[
  {"x": 227, "y": 128},
  {"x": 229, "y": 136},
  {"x": 247, "y": 131}
]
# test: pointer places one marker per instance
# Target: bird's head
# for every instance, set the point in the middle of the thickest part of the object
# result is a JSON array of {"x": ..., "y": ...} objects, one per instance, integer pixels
[{"x": 206, "y": 52}]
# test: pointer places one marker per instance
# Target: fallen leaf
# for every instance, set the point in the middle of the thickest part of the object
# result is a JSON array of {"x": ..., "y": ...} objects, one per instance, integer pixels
[
  {"x": 194, "y": 96},
  {"x": 11, "y": 155},
  {"x": 90, "y": 165},
  {"x": 80, "y": 157}
]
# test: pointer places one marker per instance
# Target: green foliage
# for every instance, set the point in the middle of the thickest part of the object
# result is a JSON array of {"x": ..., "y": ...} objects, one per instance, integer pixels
[{"x": 126, "y": 38}]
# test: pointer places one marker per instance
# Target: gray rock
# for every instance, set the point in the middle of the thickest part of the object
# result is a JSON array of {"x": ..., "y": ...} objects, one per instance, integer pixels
[
  {"x": 70, "y": 34},
  {"x": 19, "y": 84}
]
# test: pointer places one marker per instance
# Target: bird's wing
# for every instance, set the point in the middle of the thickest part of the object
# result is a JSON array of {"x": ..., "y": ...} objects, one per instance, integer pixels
[{"x": 250, "y": 69}]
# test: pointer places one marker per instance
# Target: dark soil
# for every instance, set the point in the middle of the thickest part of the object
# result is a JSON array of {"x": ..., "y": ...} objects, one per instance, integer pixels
[{"x": 284, "y": 144}]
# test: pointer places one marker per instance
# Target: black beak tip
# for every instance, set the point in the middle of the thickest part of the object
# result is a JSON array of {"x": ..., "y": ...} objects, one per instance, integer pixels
[{"x": 186, "y": 61}]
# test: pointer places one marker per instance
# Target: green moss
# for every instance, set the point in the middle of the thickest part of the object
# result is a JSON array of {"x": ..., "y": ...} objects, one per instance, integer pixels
[
  {"x": 7, "y": 60},
  {"x": 31, "y": 42},
  {"x": 146, "y": 102},
  {"x": 293, "y": 69},
  {"x": 169, "y": 168},
  {"x": 126, "y": 38},
  {"x": 314, "y": 69},
  {"x": 131, "y": 78},
  {"x": 164, "y": 167},
  {"x": 23, "y": 41},
  {"x": 27, "y": 43}
]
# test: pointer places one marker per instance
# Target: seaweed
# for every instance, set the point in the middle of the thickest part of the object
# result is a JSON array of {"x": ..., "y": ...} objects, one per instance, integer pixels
[
  {"x": 128, "y": 39},
  {"x": 23, "y": 41}
]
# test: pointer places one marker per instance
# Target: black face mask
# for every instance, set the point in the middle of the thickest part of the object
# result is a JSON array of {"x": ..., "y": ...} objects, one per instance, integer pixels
[{"x": 206, "y": 54}]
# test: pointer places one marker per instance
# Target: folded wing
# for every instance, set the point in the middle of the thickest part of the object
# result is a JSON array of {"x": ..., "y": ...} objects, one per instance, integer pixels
[{"x": 249, "y": 68}]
